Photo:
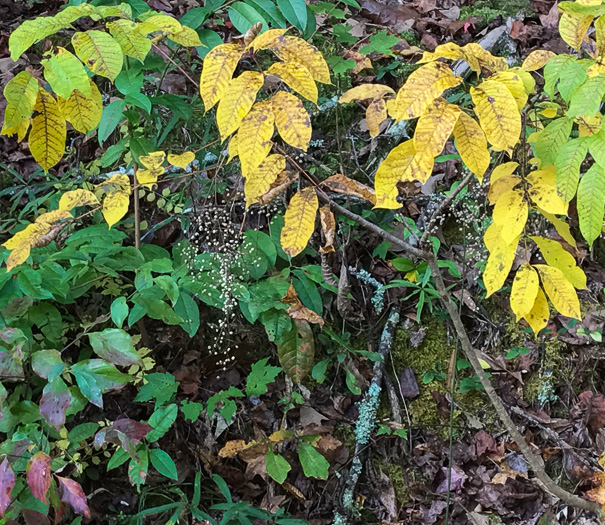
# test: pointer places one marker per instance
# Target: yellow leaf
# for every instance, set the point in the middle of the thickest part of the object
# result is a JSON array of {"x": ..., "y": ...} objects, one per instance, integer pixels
[
  {"x": 588, "y": 126},
  {"x": 292, "y": 49},
  {"x": 376, "y": 114},
  {"x": 599, "y": 29},
  {"x": 561, "y": 227},
  {"x": 484, "y": 59},
  {"x": 75, "y": 198},
  {"x": 546, "y": 197},
  {"x": 328, "y": 227},
  {"x": 515, "y": 85},
  {"x": 472, "y": 145},
  {"x": 183, "y": 160},
  {"x": 53, "y": 216},
  {"x": 343, "y": 184},
  {"x": 282, "y": 183},
  {"x": 20, "y": 130},
  {"x": 259, "y": 180},
  {"x": 492, "y": 236},
  {"x": 364, "y": 92},
  {"x": 573, "y": 29},
  {"x": 435, "y": 126},
  {"x": 219, "y": 65},
  {"x": 254, "y": 136},
  {"x": 133, "y": 42},
  {"x": 84, "y": 113},
  {"x": 422, "y": 87},
  {"x": 524, "y": 290},
  {"x": 537, "y": 318},
  {"x": 299, "y": 221},
  {"x": 499, "y": 263},
  {"x": 65, "y": 73},
  {"x": 100, "y": 52},
  {"x": 115, "y": 206},
  {"x": 164, "y": 23},
  {"x": 498, "y": 114},
  {"x": 555, "y": 255},
  {"x": 450, "y": 50},
  {"x": 511, "y": 213},
  {"x": 402, "y": 164},
  {"x": 22, "y": 243},
  {"x": 502, "y": 186},
  {"x": 48, "y": 133},
  {"x": 148, "y": 178},
  {"x": 233, "y": 149},
  {"x": 297, "y": 76},
  {"x": 186, "y": 37},
  {"x": 560, "y": 291},
  {"x": 528, "y": 81},
  {"x": 549, "y": 112},
  {"x": 537, "y": 59},
  {"x": 21, "y": 93},
  {"x": 237, "y": 101},
  {"x": 503, "y": 170},
  {"x": 31, "y": 31},
  {"x": 291, "y": 120},
  {"x": 266, "y": 40},
  {"x": 154, "y": 160}
]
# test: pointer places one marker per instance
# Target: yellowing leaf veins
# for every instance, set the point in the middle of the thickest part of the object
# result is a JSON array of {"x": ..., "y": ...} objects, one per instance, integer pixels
[
  {"x": 237, "y": 101},
  {"x": 291, "y": 120},
  {"x": 573, "y": 29},
  {"x": 435, "y": 126},
  {"x": 219, "y": 65},
  {"x": 472, "y": 145},
  {"x": 524, "y": 290},
  {"x": 297, "y": 77},
  {"x": 134, "y": 43},
  {"x": 292, "y": 49},
  {"x": 48, "y": 133},
  {"x": 299, "y": 221},
  {"x": 100, "y": 52},
  {"x": 254, "y": 136},
  {"x": 560, "y": 291},
  {"x": 83, "y": 113}
]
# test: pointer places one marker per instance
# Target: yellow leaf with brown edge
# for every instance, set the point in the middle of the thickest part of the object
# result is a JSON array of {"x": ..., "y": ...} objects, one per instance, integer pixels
[
  {"x": 561, "y": 226},
  {"x": 484, "y": 59},
  {"x": 498, "y": 114},
  {"x": 472, "y": 145},
  {"x": 502, "y": 186},
  {"x": 555, "y": 255},
  {"x": 72, "y": 199},
  {"x": 538, "y": 316},
  {"x": 181, "y": 161},
  {"x": 83, "y": 113},
  {"x": 266, "y": 39},
  {"x": 422, "y": 87},
  {"x": 291, "y": 120},
  {"x": 511, "y": 212},
  {"x": 365, "y": 92},
  {"x": 537, "y": 59},
  {"x": 218, "y": 68},
  {"x": 342, "y": 184},
  {"x": 297, "y": 77},
  {"x": 524, "y": 290},
  {"x": 259, "y": 180},
  {"x": 254, "y": 136},
  {"x": 237, "y": 101},
  {"x": 499, "y": 264},
  {"x": 284, "y": 180},
  {"x": 573, "y": 29},
  {"x": 293, "y": 49},
  {"x": 328, "y": 228},
  {"x": 435, "y": 126},
  {"x": 232, "y": 448},
  {"x": 403, "y": 163},
  {"x": 515, "y": 85},
  {"x": 297, "y": 310},
  {"x": 299, "y": 221},
  {"x": 376, "y": 114},
  {"x": 546, "y": 197},
  {"x": 560, "y": 291},
  {"x": 48, "y": 133}
]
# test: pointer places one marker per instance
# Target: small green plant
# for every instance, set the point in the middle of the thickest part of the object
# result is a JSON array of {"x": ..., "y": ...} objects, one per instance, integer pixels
[{"x": 437, "y": 374}]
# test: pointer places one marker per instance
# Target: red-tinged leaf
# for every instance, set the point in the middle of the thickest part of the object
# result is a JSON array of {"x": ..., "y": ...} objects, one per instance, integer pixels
[
  {"x": 297, "y": 351},
  {"x": 73, "y": 495},
  {"x": 132, "y": 429},
  {"x": 55, "y": 401},
  {"x": 7, "y": 482},
  {"x": 38, "y": 475},
  {"x": 33, "y": 517}
]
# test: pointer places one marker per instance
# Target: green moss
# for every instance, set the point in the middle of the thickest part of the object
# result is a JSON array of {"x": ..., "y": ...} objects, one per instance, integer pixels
[
  {"x": 488, "y": 10},
  {"x": 400, "y": 477},
  {"x": 410, "y": 37}
]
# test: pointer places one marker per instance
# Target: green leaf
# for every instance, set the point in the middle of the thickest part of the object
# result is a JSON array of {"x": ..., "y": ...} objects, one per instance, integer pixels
[
  {"x": 100, "y": 52},
  {"x": 64, "y": 72},
  {"x": 163, "y": 463},
  {"x": 119, "y": 457},
  {"x": 352, "y": 383},
  {"x": 552, "y": 138},
  {"x": 572, "y": 76},
  {"x": 137, "y": 470},
  {"x": 47, "y": 364},
  {"x": 157, "y": 309},
  {"x": 114, "y": 345},
  {"x": 568, "y": 161},
  {"x": 297, "y": 351},
  {"x": 160, "y": 387},
  {"x": 313, "y": 463},
  {"x": 591, "y": 203},
  {"x": 380, "y": 42},
  {"x": 277, "y": 466},
  {"x": 89, "y": 387},
  {"x": 269, "y": 12},
  {"x": 587, "y": 98},
  {"x": 187, "y": 308},
  {"x": 210, "y": 39},
  {"x": 191, "y": 410},
  {"x": 553, "y": 71},
  {"x": 82, "y": 432},
  {"x": 277, "y": 324},
  {"x": 112, "y": 116},
  {"x": 342, "y": 33},
  {"x": 295, "y": 12},
  {"x": 161, "y": 420},
  {"x": 223, "y": 396},
  {"x": 119, "y": 311},
  {"x": 260, "y": 376},
  {"x": 307, "y": 292},
  {"x": 244, "y": 16}
]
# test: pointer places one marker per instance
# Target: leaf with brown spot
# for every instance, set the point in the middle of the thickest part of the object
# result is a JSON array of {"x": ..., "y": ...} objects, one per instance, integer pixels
[
  {"x": 38, "y": 475},
  {"x": 328, "y": 227},
  {"x": 297, "y": 351},
  {"x": 342, "y": 184},
  {"x": 299, "y": 221}
]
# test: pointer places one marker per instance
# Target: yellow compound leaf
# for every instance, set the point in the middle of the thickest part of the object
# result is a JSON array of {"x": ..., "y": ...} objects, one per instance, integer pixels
[
  {"x": 22, "y": 243},
  {"x": 48, "y": 133},
  {"x": 537, "y": 59},
  {"x": 237, "y": 101},
  {"x": 546, "y": 197},
  {"x": 133, "y": 42},
  {"x": 422, "y": 87},
  {"x": 65, "y": 73},
  {"x": 515, "y": 85},
  {"x": 498, "y": 115},
  {"x": 538, "y": 316},
  {"x": 84, "y": 113},
  {"x": 573, "y": 29},
  {"x": 472, "y": 145},
  {"x": 72, "y": 199},
  {"x": 560, "y": 291},
  {"x": 499, "y": 263},
  {"x": 254, "y": 136},
  {"x": 376, "y": 114},
  {"x": 21, "y": 93},
  {"x": 181, "y": 161},
  {"x": 219, "y": 65},
  {"x": 562, "y": 228},
  {"x": 402, "y": 164},
  {"x": 115, "y": 206},
  {"x": 291, "y": 120},
  {"x": 100, "y": 52},
  {"x": 511, "y": 213},
  {"x": 293, "y": 49},
  {"x": 555, "y": 255},
  {"x": 524, "y": 290},
  {"x": 299, "y": 221},
  {"x": 260, "y": 180},
  {"x": 365, "y": 92},
  {"x": 502, "y": 186},
  {"x": 266, "y": 40},
  {"x": 343, "y": 184},
  {"x": 328, "y": 227},
  {"x": 297, "y": 77},
  {"x": 503, "y": 170},
  {"x": 435, "y": 126},
  {"x": 186, "y": 37}
]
